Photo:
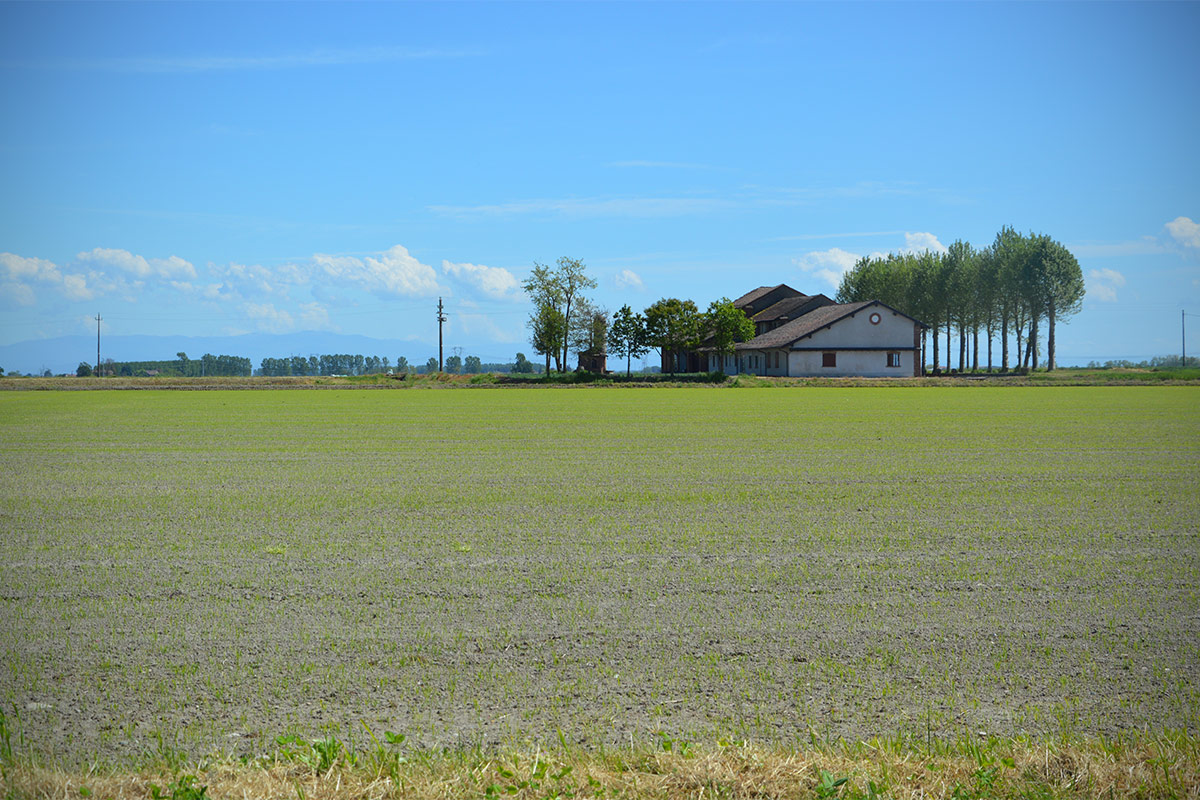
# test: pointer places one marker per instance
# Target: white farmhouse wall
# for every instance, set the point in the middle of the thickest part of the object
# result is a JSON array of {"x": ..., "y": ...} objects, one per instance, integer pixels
[
  {"x": 864, "y": 363},
  {"x": 893, "y": 330},
  {"x": 893, "y": 334}
]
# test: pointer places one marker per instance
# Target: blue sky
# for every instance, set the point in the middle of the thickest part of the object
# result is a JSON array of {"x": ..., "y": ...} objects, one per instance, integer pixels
[{"x": 224, "y": 168}]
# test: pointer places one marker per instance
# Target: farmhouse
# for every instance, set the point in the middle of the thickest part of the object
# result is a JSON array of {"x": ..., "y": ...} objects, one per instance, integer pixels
[{"x": 811, "y": 335}]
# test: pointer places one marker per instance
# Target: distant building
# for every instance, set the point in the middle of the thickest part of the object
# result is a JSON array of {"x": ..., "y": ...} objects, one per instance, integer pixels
[{"x": 798, "y": 335}]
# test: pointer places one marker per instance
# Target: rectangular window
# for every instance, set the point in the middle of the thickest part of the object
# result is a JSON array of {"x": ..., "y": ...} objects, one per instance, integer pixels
[
  {"x": 829, "y": 359},
  {"x": 893, "y": 359}
]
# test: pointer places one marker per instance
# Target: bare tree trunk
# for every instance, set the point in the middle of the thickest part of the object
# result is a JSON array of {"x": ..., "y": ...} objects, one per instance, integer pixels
[
  {"x": 975, "y": 349},
  {"x": 1031, "y": 347},
  {"x": 949, "y": 352},
  {"x": 990, "y": 332},
  {"x": 935, "y": 349},
  {"x": 1050, "y": 342},
  {"x": 1020, "y": 344},
  {"x": 962, "y": 347},
  {"x": 1004, "y": 343}
]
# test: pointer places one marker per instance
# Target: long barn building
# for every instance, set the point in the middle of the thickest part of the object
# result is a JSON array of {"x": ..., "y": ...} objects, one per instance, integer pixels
[{"x": 810, "y": 335}]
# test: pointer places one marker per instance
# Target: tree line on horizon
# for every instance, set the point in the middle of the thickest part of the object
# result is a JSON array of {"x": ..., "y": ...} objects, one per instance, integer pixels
[
  {"x": 1005, "y": 290},
  {"x": 346, "y": 364}
]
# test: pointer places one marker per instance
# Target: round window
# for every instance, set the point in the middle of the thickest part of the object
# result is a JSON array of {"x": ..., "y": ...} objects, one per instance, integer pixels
[{"x": 875, "y": 319}]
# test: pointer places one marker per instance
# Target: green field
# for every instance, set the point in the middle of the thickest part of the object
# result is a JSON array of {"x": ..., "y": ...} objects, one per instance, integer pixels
[{"x": 207, "y": 570}]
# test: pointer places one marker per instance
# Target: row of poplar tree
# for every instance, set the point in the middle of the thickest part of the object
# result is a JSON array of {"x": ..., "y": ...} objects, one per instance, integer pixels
[{"x": 1005, "y": 290}]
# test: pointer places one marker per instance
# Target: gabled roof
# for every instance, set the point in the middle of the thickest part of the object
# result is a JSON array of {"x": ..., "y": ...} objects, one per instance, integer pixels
[
  {"x": 756, "y": 294},
  {"x": 791, "y": 307},
  {"x": 812, "y": 322}
]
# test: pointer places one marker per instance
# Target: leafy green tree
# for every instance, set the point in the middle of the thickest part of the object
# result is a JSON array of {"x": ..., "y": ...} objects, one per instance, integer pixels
[
  {"x": 588, "y": 335},
  {"x": 522, "y": 365},
  {"x": 627, "y": 336},
  {"x": 959, "y": 268},
  {"x": 558, "y": 291},
  {"x": 674, "y": 327},
  {"x": 84, "y": 370},
  {"x": 431, "y": 366},
  {"x": 402, "y": 364},
  {"x": 548, "y": 329},
  {"x": 987, "y": 295},
  {"x": 1064, "y": 291},
  {"x": 472, "y": 366},
  {"x": 454, "y": 365},
  {"x": 727, "y": 325},
  {"x": 1009, "y": 251}
]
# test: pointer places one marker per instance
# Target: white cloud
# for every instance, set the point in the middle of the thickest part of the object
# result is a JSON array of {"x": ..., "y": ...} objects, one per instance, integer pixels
[
  {"x": 394, "y": 272},
  {"x": 251, "y": 276},
  {"x": 628, "y": 279},
  {"x": 1184, "y": 231},
  {"x": 75, "y": 287},
  {"x": 920, "y": 242},
  {"x": 170, "y": 267},
  {"x": 269, "y": 318},
  {"x": 14, "y": 293},
  {"x": 315, "y": 317},
  {"x": 19, "y": 269},
  {"x": 493, "y": 281},
  {"x": 1102, "y": 284},
  {"x": 1107, "y": 276},
  {"x": 828, "y": 265}
]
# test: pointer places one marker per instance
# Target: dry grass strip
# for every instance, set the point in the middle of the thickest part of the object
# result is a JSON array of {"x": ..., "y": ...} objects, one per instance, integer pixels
[{"x": 1155, "y": 768}]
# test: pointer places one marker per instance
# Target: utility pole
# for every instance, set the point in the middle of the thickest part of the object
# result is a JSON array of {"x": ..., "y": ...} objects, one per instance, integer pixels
[
  {"x": 441, "y": 319},
  {"x": 97, "y": 344}
]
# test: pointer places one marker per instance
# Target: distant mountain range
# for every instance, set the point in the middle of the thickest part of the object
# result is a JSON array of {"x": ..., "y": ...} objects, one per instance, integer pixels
[{"x": 64, "y": 353}]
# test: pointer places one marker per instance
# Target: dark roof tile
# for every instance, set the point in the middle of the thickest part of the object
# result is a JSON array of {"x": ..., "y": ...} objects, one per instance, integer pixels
[{"x": 798, "y": 328}]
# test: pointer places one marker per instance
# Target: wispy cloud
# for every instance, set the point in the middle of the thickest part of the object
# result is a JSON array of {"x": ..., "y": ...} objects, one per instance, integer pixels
[
  {"x": 1147, "y": 245},
  {"x": 582, "y": 208},
  {"x": 1103, "y": 284},
  {"x": 828, "y": 265},
  {"x": 863, "y": 190},
  {"x": 628, "y": 279},
  {"x": 322, "y": 57},
  {"x": 805, "y": 237}
]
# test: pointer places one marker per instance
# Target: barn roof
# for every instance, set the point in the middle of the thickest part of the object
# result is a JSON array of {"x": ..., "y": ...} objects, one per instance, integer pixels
[
  {"x": 806, "y": 325},
  {"x": 812, "y": 322},
  {"x": 749, "y": 298},
  {"x": 789, "y": 307}
]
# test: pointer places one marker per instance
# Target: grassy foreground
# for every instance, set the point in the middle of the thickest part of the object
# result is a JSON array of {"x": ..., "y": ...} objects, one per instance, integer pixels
[
  {"x": 187, "y": 573},
  {"x": 1151, "y": 767}
]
